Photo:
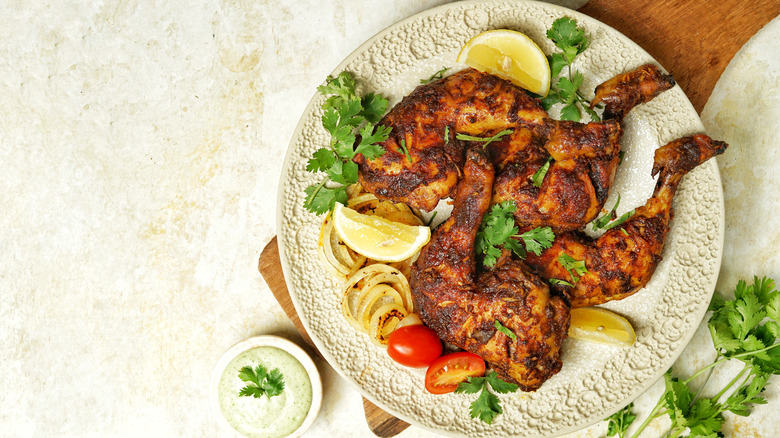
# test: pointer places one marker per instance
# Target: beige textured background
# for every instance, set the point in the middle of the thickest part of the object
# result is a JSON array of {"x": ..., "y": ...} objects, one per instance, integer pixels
[{"x": 140, "y": 149}]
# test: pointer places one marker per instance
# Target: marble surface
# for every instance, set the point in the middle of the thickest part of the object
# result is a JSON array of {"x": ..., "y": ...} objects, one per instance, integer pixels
[{"x": 140, "y": 150}]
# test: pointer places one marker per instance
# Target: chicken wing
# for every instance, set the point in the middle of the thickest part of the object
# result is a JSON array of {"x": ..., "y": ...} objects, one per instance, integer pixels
[
  {"x": 463, "y": 307},
  {"x": 627, "y": 90},
  {"x": 622, "y": 260}
]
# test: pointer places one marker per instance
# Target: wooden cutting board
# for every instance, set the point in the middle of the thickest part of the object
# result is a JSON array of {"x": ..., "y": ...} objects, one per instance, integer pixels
[{"x": 693, "y": 40}]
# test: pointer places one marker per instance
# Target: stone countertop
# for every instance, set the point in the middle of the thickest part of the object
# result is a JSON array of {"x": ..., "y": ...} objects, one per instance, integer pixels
[{"x": 141, "y": 145}]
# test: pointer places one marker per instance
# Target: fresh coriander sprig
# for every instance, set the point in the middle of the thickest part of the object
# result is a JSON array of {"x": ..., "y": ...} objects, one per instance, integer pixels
[
  {"x": 486, "y": 140},
  {"x": 498, "y": 229},
  {"x": 572, "y": 41},
  {"x": 261, "y": 382},
  {"x": 746, "y": 328},
  {"x": 487, "y": 406},
  {"x": 346, "y": 115},
  {"x": 620, "y": 421},
  {"x": 438, "y": 75}
]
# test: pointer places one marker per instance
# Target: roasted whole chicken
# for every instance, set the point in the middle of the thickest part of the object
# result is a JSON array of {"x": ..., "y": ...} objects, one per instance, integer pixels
[
  {"x": 462, "y": 307},
  {"x": 425, "y": 161}
]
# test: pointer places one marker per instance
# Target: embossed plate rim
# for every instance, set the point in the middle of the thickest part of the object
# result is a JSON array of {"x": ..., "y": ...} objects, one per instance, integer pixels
[{"x": 293, "y": 251}]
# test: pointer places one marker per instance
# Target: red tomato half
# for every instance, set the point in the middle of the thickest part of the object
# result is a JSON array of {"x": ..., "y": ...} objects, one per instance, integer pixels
[
  {"x": 446, "y": 372},
  {"x": 414, "y": 346}
]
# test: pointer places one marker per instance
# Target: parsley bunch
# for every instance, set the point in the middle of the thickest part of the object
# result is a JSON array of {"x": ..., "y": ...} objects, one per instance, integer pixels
[
  {"x": 261, "y": 382},
  {"x": 487, "y": 406},
  {"x": 346, "y": 116},
  {"x": 747, "y": 329},
  {"x": 498, "y": 229},
  {"x": 572, "y": 41}
]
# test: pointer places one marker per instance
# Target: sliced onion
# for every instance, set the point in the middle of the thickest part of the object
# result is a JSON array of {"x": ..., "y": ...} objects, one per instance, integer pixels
[
  {"x": 404, "y": 217},
  {"x": 369, "y": 297},
  {"x": 325, "y": 250},
  {"x": 410, "y": 319},
  {"x": 399, "y": 283},
  {"x": 384, "y": 321}
]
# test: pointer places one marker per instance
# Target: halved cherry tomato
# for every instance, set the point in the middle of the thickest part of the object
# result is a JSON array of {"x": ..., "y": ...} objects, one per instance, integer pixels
[
  {"x": 414, "y": 346},
  {"x": 446, "y": 372}
]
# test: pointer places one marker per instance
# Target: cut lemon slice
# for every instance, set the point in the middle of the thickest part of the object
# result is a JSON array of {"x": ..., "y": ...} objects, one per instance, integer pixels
[
  {"x": 378, "y": 238},
  {"x": 510, "y": 55},
  {"x": 600, "y": 325}
]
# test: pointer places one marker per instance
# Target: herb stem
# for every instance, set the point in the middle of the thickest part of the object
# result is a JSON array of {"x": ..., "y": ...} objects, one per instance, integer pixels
[
  {"x": 316, "y": 189},
  {"x": 727, "y": 358},
  {"x": 701, "y": 388},
  {"x": 655, "y": 413},
  {"x": 730, "y": 384}
]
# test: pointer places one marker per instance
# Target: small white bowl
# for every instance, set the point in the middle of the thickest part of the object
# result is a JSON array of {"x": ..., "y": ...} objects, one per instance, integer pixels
[{"x": 282, "y": 344}]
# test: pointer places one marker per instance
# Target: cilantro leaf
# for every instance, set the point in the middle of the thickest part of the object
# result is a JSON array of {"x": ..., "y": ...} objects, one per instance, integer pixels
[
  {"x": 321, "y": 160},
  {"x": 344, "y": 113},
  {"x": 571, "y": 40},
  {"x": 538, "y": 177},
  {"x": 620, "y": 421},
  {"x": 405, "y": 150},
  {"x": 500, "y": 327},
  {"x": 498, "y": 229},
  {"x": 321, "y": 199},
  {"x": 487, "y": 406},
  {"x": 368, "y": 139},
  {"x": 486, "y": 140},
  {"x": 374, "y": 107},
  {"x": 438, "y": 75},
  {"x": 498, "y": 385},
  {"x": 265, "y": 383},
  {"x": 575, "y": 268},
  {"x": 538, "y": 239}
]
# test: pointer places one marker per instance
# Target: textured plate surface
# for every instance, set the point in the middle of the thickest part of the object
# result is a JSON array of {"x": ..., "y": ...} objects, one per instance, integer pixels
[{"x": 596, "y": 380}]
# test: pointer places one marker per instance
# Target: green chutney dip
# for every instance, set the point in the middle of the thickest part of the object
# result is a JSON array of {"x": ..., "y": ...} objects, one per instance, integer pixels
[{"x": 265, "y": 417}]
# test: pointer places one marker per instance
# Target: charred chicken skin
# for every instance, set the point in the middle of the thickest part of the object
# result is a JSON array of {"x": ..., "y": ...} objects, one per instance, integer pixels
[
  {"x": 463, "y": 307},
  {"x": 622, "y": 260}
]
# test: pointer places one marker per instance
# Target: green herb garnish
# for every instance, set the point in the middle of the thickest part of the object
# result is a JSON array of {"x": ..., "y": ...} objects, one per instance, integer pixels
[
  {"x": 486, "y": 140},
  {"x": 576, "y": 268},
  {"x": 747, "y": 329},
  {"x": 346, "y": 115},
  {"x": 606, "y": 221},
  {"x": 406, "y": 151},
  {"x": 503, "y": 329},
  {"x": 572, "y": 41},
  {"x": 438, "y": 75},
  {"x": 620, "y": 421},
  {"x": 446, "y": 135},
  {"x": 540, "y": 173},
  {"x": 262, "y": 383},
  {"x": 487, "y": 406},
  {"x": 498, "y": 229}
]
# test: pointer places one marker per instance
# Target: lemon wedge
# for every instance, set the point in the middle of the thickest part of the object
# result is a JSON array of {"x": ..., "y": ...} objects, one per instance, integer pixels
[
  {"x": 378, "y": 238},
  {"x": 600, "y": 325},
  {"x": 510, "y": 55}
]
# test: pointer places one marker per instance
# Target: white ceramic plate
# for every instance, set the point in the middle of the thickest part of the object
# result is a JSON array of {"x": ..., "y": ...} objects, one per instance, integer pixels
[{"x": 596, "y": 380}]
